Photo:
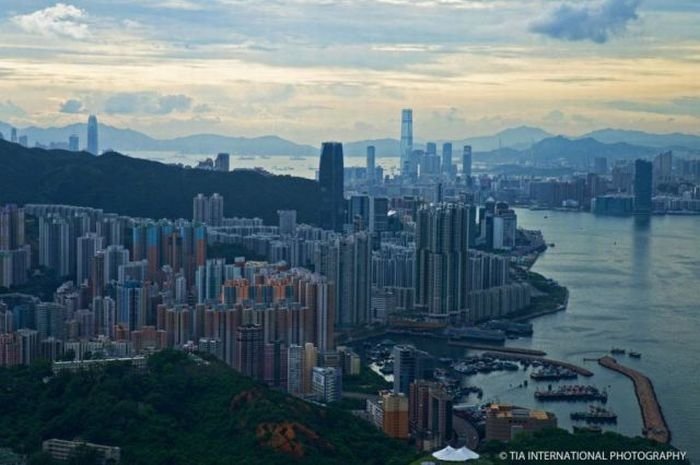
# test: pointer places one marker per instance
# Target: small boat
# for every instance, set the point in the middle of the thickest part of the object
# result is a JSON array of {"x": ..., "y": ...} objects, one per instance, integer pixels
[
  {"x": 617, "y": 350},
  {"x": 635, "y": 355},
  {"x": 552, "y": 244}
]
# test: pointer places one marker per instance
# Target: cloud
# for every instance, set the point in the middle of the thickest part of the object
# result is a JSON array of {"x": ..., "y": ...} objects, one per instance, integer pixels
[
  {"x": 682, "y": 106},
  {"x": 9, "y": 109},
  {"x": 147, "y": 103},
  {"x": 595, "y": 21},
  {"x": 60, "y": 20},
  {"x": 71, "y": 106}
]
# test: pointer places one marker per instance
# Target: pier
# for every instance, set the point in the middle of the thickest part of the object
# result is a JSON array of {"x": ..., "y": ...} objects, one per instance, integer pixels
[
  {"x": 655, "y": 427},
  {"x": 516, "y": 356}
]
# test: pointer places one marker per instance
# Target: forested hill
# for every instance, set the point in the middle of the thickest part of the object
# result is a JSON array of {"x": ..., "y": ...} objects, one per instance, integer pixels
[
  {"x": 136, "y": 187},
  {"x": 181, "y": 412}
]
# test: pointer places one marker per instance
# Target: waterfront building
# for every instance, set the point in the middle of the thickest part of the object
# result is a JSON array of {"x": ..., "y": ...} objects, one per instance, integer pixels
[
  {"x": 505, "y": 422},
  {"x": 332, "y": 214},
  {"x": 643, "y": 186},
  {"x": 406, "y": 143},
  {"x": 409, "y": 364}
]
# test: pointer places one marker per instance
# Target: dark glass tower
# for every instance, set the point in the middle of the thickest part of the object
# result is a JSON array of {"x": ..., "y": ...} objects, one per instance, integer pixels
[
  {"x": 642, "y": 186},
  {"x": 92, "y": 141},
  {"x": 330, "y": 178}
]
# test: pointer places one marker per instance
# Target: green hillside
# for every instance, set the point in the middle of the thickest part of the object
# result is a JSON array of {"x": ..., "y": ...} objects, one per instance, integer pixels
[
  {"x": 136, "y": 187},
  {"x": 181, "y": 412}
]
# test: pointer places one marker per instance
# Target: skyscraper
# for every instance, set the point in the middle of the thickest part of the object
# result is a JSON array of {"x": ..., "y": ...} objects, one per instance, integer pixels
[
  {"x": 467, "y": 163},
  {"x": 86, "y": 248},
  {"x": 74, "y": 143},
  {"x": 371, "y": 164},
  {"x": 406, "y": 146},
  {"x": 287, "y": 222},
  {"x": 442, "y": 243},
  {"x": 222, "y": 162},
  {"x": 92, "y": 141},
  {"x": 447, "y": 158},
  {"x": 643, "y": 181},
  {"x": 331, "y": 181},
  {"x": 209, "y": 210}
]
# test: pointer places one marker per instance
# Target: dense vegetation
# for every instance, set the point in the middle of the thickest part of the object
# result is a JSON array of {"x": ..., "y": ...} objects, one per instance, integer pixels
[
  {"x": 136, "y": 187},
  {"x": 367, "y": 382},
  {"x": 180, "y": 412}
]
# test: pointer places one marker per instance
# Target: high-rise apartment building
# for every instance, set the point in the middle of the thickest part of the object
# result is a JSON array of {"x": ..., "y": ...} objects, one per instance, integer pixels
[
  {"x": 222, "y": 162},
  {"x": 209, "y": 210},
  {"x": 371, "y": 165},
  {"x": 467, "y": 164},
  {"x": 442, "y": 254},
  {"x": 447, "y": 159}
]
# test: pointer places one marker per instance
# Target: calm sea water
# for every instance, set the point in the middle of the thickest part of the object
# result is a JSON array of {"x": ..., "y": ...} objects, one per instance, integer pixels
[
  {"x": 634, "y": 284},
  {"x": 304, "y": 167}
]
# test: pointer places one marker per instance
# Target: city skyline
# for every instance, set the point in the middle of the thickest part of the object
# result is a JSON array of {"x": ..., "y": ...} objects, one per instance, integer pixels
[{"x": 567, "y": 67}]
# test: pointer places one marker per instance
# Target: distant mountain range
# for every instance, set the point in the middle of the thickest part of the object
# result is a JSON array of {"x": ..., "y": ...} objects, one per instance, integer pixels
[{"x": 509, "y": 142}]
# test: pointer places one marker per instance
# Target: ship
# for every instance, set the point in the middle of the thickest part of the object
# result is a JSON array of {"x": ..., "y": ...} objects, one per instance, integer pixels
[
  {"x": 572, "y": 393},
  {"x": 617, "y": 351},
  {"x": 595, "y": 414},
  {"x": 635, "y": 355},
  {"x": 553, "y": 374},
  {"x": 493, "y": 336}
]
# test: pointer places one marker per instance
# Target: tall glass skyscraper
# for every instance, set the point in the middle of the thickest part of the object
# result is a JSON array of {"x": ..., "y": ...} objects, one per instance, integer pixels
[
  {"x": 92, "y": 142},
  {"x": 370, "y": 164},
  {"x": 643, "y": 182},
  {"x": 331, "y": 180},
  {"x": 406, "y": 147},
  {"x": 447, "y": 158}
]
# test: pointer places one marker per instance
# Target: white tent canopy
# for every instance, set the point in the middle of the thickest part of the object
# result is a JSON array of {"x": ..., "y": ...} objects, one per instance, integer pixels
[{"x": 450, "y": 454}]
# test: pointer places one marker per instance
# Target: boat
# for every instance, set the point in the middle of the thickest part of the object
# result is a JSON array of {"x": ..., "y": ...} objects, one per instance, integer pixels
[
  {"x": 595, "y": 414},
  {"x": 552, "y": 244},
  {"x": 617, "y": 351},
  {"x": 552, "y": 374},
  {"x": 572, "y": 393},
  {"x": 635, "y": 354}
]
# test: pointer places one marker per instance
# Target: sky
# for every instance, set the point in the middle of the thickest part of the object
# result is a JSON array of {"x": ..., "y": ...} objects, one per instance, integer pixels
[{"x": 313, "y": 70}]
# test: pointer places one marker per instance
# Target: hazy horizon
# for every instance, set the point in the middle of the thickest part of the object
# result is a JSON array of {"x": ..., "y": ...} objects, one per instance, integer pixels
[{"x": 312, "y": 70}]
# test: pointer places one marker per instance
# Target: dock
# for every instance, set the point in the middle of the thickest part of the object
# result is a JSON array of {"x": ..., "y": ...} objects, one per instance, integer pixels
[
  {"x": 505, "y": 350},
  {"x": 655, "y": 427},
  {"x": 517, "y": 357}
]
